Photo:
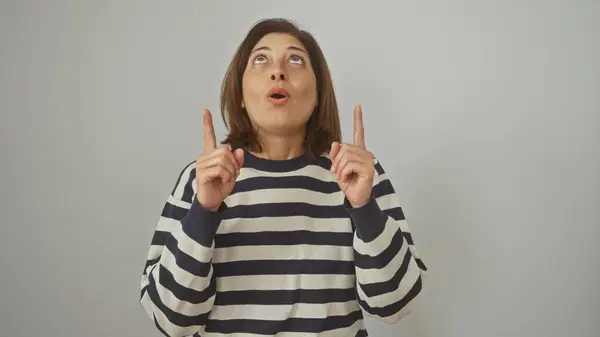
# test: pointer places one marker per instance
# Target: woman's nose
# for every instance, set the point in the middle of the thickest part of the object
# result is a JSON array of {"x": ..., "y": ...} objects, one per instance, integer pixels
[{"x": 278, "y": 74}]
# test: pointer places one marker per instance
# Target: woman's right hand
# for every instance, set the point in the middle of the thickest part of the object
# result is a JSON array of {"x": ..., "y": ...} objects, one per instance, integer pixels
[{"x": 216, "y": 169}]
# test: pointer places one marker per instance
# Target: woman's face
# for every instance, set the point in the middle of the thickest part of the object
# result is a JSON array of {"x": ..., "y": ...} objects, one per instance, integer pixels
[{"x": 278, "y": 85}]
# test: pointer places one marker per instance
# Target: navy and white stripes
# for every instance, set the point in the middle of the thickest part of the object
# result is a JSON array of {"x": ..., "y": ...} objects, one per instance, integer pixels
[{"x": 285, "y": 255}]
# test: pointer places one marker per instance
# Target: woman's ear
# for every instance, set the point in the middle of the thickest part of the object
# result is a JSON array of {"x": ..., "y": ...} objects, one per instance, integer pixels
[{"x": 243, "y": 105}]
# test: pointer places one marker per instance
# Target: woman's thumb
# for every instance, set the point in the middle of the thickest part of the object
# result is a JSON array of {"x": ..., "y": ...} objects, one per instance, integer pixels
[{"x": 239, "y": 155}]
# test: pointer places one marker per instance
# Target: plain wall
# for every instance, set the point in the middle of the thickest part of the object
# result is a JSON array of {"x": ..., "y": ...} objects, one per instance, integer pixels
[{"x": 485, "y": 114}]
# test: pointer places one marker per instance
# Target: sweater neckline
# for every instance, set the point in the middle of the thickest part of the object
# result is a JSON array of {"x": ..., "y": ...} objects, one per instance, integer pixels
[{"x": 275, "y": 165}]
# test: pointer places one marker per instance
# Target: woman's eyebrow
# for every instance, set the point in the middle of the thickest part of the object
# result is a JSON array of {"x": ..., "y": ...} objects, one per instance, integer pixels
[
  {"x": 298, "y": 49},
  {"x": 289, "y": 48}
]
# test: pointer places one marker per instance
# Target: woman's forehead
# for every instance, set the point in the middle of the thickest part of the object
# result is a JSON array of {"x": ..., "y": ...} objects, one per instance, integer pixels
[{"x": 279, "y": 41}]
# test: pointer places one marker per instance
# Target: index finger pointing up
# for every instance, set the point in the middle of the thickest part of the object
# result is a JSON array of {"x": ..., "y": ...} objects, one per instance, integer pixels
[
  {"x": 359, "y": 130},
  {"x": 210, "y": 141}
]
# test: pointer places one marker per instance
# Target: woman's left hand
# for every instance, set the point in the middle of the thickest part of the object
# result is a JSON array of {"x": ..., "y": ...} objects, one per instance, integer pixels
[{"x": 353, "y": 165}]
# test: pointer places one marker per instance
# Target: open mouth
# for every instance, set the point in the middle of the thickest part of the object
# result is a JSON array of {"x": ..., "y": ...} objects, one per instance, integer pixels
[{"x": 278, "y": 96}]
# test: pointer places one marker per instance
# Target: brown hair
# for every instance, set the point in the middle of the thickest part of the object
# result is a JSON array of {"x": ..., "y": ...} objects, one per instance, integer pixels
[{"x": 323, "y": 127}]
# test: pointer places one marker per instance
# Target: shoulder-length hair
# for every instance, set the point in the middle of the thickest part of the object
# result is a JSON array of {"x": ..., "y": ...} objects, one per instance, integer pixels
[{"x": 323, "y": 127}]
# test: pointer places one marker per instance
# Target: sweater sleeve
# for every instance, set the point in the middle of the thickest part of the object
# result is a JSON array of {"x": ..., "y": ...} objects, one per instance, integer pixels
[
  {"x": 178, "y": 287},
  {"x": 389, "y": 272}
]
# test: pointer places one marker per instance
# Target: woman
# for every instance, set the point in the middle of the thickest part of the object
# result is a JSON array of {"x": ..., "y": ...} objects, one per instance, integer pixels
[{"x": 283, "y": 230}]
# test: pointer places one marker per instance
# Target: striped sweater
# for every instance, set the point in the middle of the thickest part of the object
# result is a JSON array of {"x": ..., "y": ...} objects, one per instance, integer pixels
[{"x": 285, "y": 255}]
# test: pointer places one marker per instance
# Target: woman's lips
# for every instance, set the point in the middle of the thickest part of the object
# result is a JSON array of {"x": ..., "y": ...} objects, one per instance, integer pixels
[{"x": 278, "y": 96}]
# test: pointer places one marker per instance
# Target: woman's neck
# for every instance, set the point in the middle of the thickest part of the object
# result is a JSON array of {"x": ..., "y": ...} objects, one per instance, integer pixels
[{"x": 276, "y": 147}]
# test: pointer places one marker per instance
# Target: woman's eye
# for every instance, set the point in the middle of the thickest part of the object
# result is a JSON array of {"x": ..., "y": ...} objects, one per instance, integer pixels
[
  {"x": 296, "y": 59},
  {"x": 260, "y": 59}
]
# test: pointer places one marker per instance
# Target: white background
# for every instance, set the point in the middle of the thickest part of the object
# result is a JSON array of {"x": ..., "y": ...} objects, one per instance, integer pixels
[{"x": 485, "y": 114}]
